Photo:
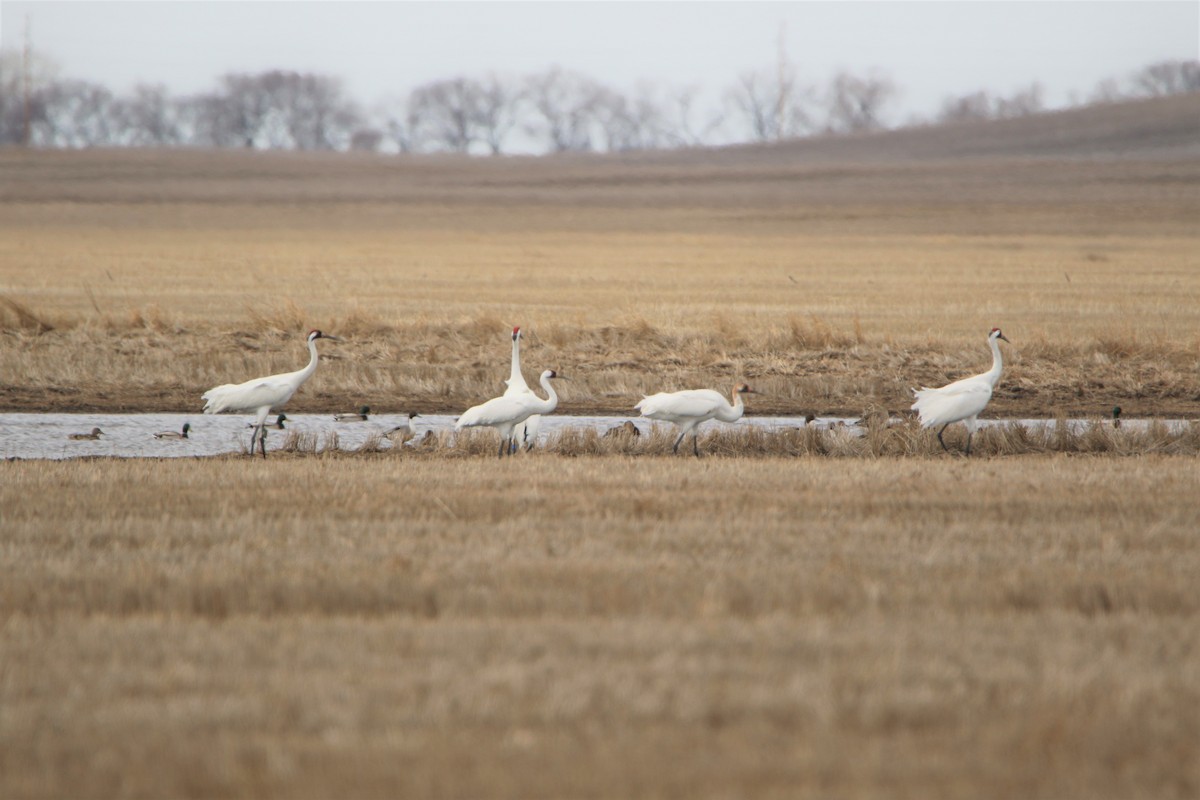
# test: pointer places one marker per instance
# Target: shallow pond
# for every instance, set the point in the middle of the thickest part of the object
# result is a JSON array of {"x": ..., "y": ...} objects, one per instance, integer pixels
[{"x": 132, "y": 435}]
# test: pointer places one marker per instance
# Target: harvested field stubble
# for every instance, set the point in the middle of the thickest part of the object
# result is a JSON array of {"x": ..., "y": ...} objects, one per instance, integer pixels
[
  {"x": 828, "y": 290},
  {"x": 803, "y": 614},
  {"x": 576, "y": 626}
]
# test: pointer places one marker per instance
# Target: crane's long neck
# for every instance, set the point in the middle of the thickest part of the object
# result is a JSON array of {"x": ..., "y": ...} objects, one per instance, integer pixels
[
  {"x": 551, "y": 401},
  {"x": 735, "y": 411},
  {"x": 307, "y": 372},
  {"x": 993, "y": 374},
  {"x": 515, "y": 375}
]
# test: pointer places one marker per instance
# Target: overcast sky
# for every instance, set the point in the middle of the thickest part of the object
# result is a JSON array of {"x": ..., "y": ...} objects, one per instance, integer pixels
[{"x": 384, "y": 49}]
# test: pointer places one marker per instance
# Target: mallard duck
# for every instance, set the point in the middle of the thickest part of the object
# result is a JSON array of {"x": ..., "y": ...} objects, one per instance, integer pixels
[
  {"x": 79, "y": 437},
  {"x": 1116, "y": 416},
  {"x": 361, "y": 416},
  {"x": 183, "y": 434}
]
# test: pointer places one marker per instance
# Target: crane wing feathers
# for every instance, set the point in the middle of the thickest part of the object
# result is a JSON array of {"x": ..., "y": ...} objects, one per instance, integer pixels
[
  {"x": 957, "y": 401},
  {"x": 496, "y": 411},
  {"x": 249, "y": 396},
  {"x": 688, "y": 404}
]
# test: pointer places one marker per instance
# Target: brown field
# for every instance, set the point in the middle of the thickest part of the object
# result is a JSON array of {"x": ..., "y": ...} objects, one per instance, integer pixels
[
  {"x": 601, "y": 627},
  {"x": 796, "y": 615},
  {"x": 834, "y": 275}
]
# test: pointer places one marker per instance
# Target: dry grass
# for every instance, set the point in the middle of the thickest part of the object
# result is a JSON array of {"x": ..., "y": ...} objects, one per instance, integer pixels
[
  {"x": 806, "y": 614},
  {"x": 829, "y": 289},
  {"x": 382, "y": 627}
]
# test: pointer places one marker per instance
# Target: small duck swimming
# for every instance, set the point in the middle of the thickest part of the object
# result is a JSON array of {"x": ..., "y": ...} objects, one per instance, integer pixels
[
  {"x": 79, "y": 437},
  {"x": 626, "y": 430},
  {"x": 187, "y": 426},
  {"x": 361, "y": 416},
  {"x": 405, "y": 430},
  {"x": 1116, "y": 416},
  {"x": 277, "y": 424}
]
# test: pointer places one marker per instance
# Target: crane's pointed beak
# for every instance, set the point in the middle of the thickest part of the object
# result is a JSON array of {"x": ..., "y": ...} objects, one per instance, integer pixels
[
  {"x": 1005, "y": 338},
  {"x": 334, "y": 338}
]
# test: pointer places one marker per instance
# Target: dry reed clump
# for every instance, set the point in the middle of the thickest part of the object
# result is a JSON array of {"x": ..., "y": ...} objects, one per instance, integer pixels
[
  {"x": 17, "y": 316},
  {"x": 815, "y": 333},
  {"x": 303, "y": 442},
  {"x": 877, "y": 439}
]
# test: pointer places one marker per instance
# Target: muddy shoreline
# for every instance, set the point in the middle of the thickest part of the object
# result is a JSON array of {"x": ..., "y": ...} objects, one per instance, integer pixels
[{"x": 177, "y": 400}]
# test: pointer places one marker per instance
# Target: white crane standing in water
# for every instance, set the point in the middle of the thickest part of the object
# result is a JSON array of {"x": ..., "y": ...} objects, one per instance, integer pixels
[
  {"x": 963, "y": 400},
  {"x": 505, "y": 413},
  {"x": 687, "y": 409},
  {"x": 526, "y": 432},
  {"x": 261, "y": 395}
]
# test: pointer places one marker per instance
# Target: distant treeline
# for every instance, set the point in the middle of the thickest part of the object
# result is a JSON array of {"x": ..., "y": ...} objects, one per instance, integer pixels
[{"x": 556, "y": 110}]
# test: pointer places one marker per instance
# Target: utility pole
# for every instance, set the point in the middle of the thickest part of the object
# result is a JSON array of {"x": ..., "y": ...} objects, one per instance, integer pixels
[{"x": 27, "y": 86}]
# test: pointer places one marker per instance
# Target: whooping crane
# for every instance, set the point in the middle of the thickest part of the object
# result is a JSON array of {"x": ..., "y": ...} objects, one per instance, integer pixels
[
  {"x": 504, "y": 413},
  {"x": 261, "y": 395},
  {"x": 187, "y": 426},
  {"x": 79, "y": 437},
  {"x": 526, "y": 432},
  {"x": 963, "y": 400},
  {"x": 689, "y": 408}
]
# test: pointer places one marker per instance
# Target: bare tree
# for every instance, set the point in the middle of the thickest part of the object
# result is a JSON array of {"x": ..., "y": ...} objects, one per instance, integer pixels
[
  {"x": 1167, "y": 78},
  {"x": 976, "y": 105},
  {"x": 398, "y": 124},
  {"x": 564, "y": 109},
  {"x": 682, "y": 128},
  {"x": 318, "y": 114},
  {"x": 1107, "y": 91},
  {"x": 73, "y": 113},
  {"x": 857, "y": 103},
  {"x": 499, "y": 110},
  {"x": 150, "y": 117},
  {"x": 1022, "y": 103},
  {"x": 773, "y": 103},
  {"x": 446, "y": 112},
  {"x": 276, "y": 109},
  {"x": 630, "y": 123}
]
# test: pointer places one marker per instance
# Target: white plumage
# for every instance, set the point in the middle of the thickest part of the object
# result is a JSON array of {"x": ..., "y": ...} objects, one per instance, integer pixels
[
  {"x": 506, "y": 412},
  {"x": 687, "y": 409},
  {"x": 961, "y": 401},
  {"x": 260, "y": 395},
  {"x": 525, "y": 432}
]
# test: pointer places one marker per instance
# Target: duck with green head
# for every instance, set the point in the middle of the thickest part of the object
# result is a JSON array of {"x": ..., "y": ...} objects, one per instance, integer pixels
[{"x": 361, "y": 416}]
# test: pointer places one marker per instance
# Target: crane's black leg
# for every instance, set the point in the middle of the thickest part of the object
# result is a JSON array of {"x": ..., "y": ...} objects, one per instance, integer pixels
[
  {"x": 262, "y": 441},
  {"x": 503, "y": 446},
  {"x": 696, "y": 443},
  {"x": 969, "y": 435},
  {"x": 675, "y": 449},
  {"x": 947, "y": 425}
]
